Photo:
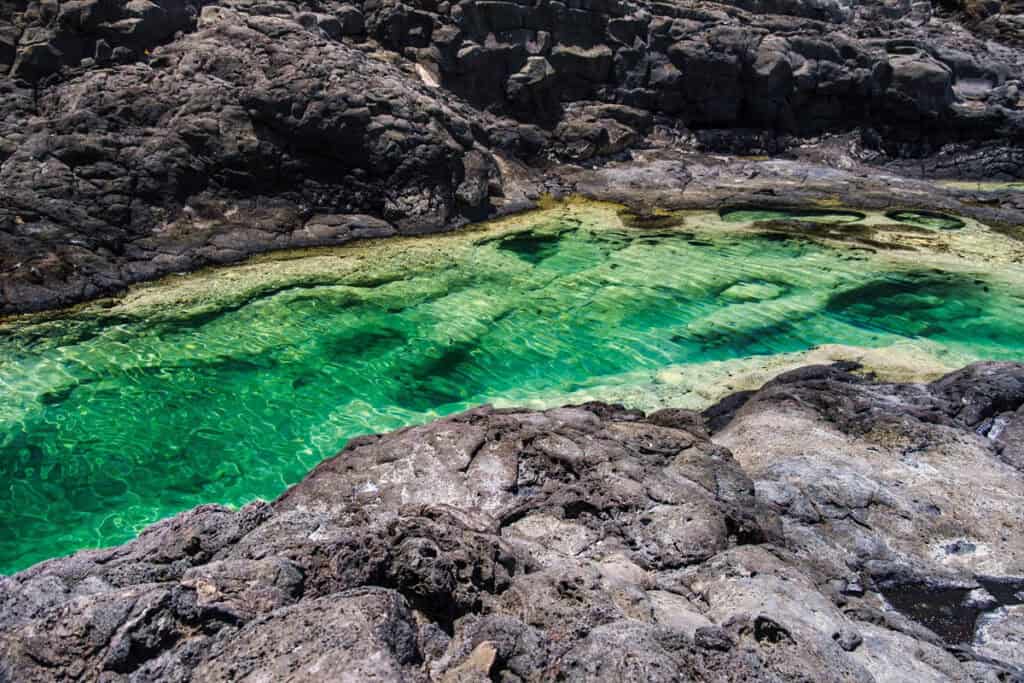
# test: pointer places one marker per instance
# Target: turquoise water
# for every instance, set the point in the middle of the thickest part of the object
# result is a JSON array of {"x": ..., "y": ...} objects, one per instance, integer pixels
[{"x": 110, "y": 423}]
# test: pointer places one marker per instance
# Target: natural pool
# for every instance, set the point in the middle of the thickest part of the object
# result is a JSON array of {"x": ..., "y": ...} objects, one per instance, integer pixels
[{"x": 229, "y": 385}]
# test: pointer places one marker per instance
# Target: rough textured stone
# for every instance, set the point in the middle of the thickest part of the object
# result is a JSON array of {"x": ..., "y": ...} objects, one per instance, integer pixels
[
  {"x": 581, "y": 543},
  {"x": 143, "y": 138}
]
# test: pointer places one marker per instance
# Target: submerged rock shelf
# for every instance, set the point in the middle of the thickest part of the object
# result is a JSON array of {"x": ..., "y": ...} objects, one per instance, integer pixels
[
  {"x": 927, "y": 219},
  {"x": 228, "y": 386}
]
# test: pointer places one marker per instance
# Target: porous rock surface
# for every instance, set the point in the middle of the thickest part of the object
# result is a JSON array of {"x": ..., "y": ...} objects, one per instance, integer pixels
[
  {"x": 586, "y": 543},
  {"x": 145, "y": 137}
]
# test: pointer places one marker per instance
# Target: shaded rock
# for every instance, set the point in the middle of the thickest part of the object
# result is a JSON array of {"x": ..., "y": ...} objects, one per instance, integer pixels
[
  {"x": 920, "y": 87},
  {"x": 533, "y": 91},
  {"x": 350, "y": 20},
  {"x": 367, "y": 634},
  {"x": 141, "y": 112},
  {"x": 581, "y": 68}
]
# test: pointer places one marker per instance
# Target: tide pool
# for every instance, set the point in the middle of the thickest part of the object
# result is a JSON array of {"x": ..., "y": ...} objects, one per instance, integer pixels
[{"x": 230, "y": 385}]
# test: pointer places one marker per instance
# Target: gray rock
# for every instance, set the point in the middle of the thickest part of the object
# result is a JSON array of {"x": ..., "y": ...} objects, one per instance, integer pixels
[
  {"x": 582, "y": 543},
  {"x": 367, "y": 635},
  {"x": 891, "y": 492},
  {"x": 1000, "y": 635}
]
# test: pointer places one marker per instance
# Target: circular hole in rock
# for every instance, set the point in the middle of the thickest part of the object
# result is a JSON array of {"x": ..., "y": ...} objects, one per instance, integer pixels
[
  {"x": 926, "y": 219},
  {"x": 754, "y": 214},
  {"x": 901, "y": 48}
]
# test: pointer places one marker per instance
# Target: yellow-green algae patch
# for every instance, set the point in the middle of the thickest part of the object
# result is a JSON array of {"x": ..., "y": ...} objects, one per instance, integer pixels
[
  {"x": 982, "y": 185},
  {"x": 229, "y": 384},
  {"x": 370, "y": 262},
  {"x": 697, "y": 385}
]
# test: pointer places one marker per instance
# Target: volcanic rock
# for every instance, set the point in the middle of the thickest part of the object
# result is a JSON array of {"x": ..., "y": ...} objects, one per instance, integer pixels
[
  {"x": 141, "y": 138},
  {"x": 837, "y": 538}
]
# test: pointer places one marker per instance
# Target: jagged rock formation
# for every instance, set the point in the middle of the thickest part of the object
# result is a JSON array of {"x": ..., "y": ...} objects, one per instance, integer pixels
[
  {"x": 822, "y": 528},
  {"x": 837, "y": 541},
  {"x": 141, "y": 138}
]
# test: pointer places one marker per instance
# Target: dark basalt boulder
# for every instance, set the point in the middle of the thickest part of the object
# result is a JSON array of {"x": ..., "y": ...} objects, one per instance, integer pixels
[
  {"x": 583, "y": 543},
  {"x": 59, "y": 35},
  {"x": 224, "y": 144},
  {"x": 140, "y": 138}
]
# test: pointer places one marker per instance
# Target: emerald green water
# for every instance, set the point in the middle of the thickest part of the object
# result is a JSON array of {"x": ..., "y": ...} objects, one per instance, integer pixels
[{"x": 110, "y": 423}]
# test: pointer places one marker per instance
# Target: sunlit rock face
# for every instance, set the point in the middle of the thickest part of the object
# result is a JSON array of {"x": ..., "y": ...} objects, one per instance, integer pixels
[
  {"x": 839, "y": 537},
  {"x": 229, "y": 385},
  {"x": 820, "y": 220}
]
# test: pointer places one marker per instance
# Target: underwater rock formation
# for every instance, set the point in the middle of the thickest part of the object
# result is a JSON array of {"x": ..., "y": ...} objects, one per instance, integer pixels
[{"x": 827, "y": 532}]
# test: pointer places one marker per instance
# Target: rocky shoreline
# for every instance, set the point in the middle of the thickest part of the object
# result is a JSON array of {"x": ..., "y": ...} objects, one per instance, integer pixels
[
  {"x": 828, "y": 526},
  {"x": 825, "y": 527},
  {"x": 648, "y": 184},
  {"x": 139, "y": 139}
]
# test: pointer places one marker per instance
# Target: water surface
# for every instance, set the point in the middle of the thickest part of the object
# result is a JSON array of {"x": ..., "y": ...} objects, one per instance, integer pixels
[{"x": 110, "y": 422}]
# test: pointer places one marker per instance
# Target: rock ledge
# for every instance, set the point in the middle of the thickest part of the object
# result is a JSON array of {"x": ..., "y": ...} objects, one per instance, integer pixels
[{"x": 829, "y": 528}]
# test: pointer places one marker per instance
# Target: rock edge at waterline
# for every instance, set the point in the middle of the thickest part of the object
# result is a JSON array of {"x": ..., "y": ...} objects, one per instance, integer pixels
[{"x": 824, "y": 527}]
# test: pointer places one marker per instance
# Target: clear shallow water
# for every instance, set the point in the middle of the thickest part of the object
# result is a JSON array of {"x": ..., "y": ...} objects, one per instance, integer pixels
[{"x": 109, "y": 424}]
